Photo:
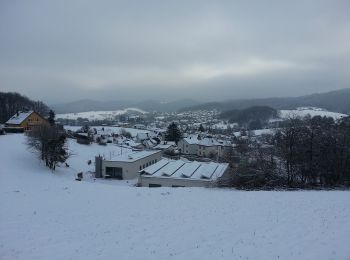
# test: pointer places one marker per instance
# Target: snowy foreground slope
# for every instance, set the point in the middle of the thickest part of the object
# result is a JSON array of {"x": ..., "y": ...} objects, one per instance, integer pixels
[{"x": 46, "y": 215}]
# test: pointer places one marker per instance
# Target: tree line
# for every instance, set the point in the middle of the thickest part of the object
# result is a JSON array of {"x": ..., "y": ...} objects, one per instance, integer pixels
[
  {"x": 252, "y": 117},
  {"x": 309, "y": 152}
]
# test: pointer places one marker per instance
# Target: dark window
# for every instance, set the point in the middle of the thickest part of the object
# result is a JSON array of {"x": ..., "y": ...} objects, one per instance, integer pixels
[
  {"x": 152, "y": 185},
  {"x": 114, "y": 172}
]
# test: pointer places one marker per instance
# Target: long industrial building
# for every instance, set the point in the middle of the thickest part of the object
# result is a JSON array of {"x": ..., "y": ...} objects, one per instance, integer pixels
[{"x": 182, "y": 173}]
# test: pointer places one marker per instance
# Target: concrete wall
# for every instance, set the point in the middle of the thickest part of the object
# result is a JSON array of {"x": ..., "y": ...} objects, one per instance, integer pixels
[
  {"x": 131, "y": 169},
  {"x": 145, "y": 181}
]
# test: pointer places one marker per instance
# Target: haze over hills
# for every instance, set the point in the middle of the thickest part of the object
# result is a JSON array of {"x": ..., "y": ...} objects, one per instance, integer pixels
[
  {"x": 86, "y": 105},
  {"x": 337, "y": 101}
]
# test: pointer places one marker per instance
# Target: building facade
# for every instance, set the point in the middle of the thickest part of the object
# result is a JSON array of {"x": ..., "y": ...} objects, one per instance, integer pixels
[{"x": 127, "y": 166}]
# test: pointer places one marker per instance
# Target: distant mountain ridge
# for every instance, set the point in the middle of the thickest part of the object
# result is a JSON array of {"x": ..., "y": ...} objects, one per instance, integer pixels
[
  {"x": 336, "y": 101},
  {"x": 87, "y": 105}
]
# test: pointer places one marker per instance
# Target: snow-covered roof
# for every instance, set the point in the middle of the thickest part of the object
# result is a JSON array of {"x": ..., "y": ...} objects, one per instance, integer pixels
[
  {"x": 18, "y": 119},
  {"x": 183, "y": 169},
  {"x": 206, "y": 141},
  {"x": 133, "y": 156},
  {"x": 165, "y": 145}
]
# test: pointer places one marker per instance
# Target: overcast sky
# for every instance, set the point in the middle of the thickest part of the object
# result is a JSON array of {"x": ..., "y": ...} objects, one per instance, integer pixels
[{"x": 66, "y": 50}]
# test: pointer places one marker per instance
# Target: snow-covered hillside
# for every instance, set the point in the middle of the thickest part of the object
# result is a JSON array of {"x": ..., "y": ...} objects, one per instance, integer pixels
[
  {"x": 112, "y": 129},
  {"x": 312, "y": 111},
  {"x": 47, "y": 215},
  {"x": 99, "y": 115}
]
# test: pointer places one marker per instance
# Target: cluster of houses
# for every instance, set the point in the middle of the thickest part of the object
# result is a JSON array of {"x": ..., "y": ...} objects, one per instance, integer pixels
[
  {"x": 192, "y": 161},
  {"x": 150, "y": 163},
  {"x": 153, "y": 170},
  {"x": 147, "y": 157}
]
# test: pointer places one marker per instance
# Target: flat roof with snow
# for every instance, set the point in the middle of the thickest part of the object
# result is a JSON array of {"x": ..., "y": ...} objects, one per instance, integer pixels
[
  {"x": 133, "y": 156},
  {"x": 180, "y": 169}
]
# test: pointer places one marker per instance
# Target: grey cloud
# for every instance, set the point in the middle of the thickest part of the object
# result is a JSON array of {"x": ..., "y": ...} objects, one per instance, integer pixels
[{"x": 173, "y": 49}]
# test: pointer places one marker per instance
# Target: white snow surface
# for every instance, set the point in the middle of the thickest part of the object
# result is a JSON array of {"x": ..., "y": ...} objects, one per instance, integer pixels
[
  {"x": 108, "y": 130},
  {"x": 312, "y": 111},
  {"x": 99, "y": 115},
  {"x": 48, "y": 215}
]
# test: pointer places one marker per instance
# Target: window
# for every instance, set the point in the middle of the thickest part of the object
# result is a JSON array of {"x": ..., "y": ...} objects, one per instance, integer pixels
[
  {"x": 114, "y": 172},
  {"x": 152, "y": 185},
  {"x": 144, "y": 167},
  {"x": 140, "y": 167}
]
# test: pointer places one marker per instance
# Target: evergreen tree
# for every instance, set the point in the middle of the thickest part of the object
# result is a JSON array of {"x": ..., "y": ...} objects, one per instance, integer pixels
[
  {"x": 51, "y": 118},
  {"x": 201, "y": 128},
  {"x": 173, "y": 133},
  {"x": 49, "y": 142}
]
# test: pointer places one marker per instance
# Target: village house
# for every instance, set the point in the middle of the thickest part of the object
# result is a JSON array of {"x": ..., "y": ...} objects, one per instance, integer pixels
[
  {"x": 204, "y": 147},
  {"x": 24, "y": 121},
  {"x": 183, "y": 173}
]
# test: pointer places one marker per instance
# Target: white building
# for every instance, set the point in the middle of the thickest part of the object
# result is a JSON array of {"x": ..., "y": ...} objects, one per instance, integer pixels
[
  {"x": 126, "y": 166},
  {"x": 205, "y": 147},
  {"x": 181, "y": 173}
]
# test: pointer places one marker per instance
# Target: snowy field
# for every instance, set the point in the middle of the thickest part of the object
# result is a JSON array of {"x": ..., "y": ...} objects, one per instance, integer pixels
[
  {"x": 45, "y": 215},
  {"x": 99, "y": 115},
  {"x": 312, "y": 111},
  {"x": 111, "y": 129}
]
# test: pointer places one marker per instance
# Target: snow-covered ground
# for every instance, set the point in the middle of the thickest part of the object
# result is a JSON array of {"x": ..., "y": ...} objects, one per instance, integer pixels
[
  {"x": 312, "y": 111},
  {"x": 99, "y": 115},
  {"x": 45, "y": 215},
  {"x": 111, "y": 129}
]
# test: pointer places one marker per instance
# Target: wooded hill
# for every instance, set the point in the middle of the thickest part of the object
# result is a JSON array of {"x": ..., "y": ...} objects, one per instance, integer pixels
[{"x": 336, "y": 101}]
